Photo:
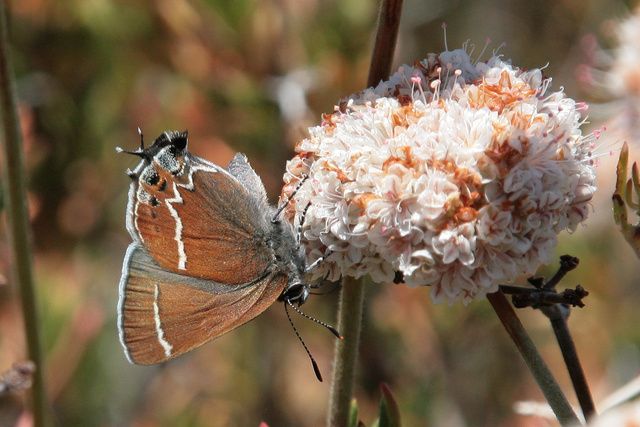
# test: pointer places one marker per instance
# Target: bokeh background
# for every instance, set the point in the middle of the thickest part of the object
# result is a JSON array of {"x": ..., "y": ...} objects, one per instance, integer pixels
[{"x": 251, "y": 76}]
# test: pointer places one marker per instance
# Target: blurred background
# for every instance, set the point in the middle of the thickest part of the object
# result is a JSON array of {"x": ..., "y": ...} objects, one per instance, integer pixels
[{"x": 252, "y": 76}]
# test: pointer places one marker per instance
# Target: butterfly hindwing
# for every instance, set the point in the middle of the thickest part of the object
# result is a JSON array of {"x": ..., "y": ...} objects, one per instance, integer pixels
[
  {"x": 163, "y": 314},
  {"x": 244, "y": 173}
]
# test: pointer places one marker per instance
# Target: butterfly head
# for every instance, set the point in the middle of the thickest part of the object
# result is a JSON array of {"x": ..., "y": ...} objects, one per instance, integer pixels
[
  {"x": 290, "y": 256},
  {"x": 177, "y": 141}
]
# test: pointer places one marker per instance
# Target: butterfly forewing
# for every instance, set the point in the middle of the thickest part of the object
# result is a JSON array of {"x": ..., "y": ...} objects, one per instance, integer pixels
[
  {"x": 164, "y": 314},
  {"x": 195, "y": 218}
]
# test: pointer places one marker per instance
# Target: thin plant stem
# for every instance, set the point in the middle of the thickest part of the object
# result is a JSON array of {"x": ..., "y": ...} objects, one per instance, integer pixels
[
  {"x": 18, "y": 220},
  {"x": 352, "y": 292},
  {"x": 558, "y": 315},
  {"x": 385, "y": 44},
  {"x": 541, "y": 373},
  {"x": 346, "y": 351}
]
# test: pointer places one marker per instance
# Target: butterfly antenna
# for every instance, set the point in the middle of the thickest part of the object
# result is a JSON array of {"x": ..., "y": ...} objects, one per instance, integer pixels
[
  {"x": 141, "y": 139},
  {"x": 302, "y": 218},
  {"x": 318, "y": 261},
  {"x": 140, "y": 151},
  {"x": 313, "y": 361},
  {"x": 284, "y": 205},
  {"x": 319, "y": 322}
]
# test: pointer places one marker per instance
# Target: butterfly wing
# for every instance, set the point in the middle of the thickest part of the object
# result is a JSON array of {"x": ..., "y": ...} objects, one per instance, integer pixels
[
  {"x": 197, "y": 219},
  {"x": 240, "y": 168},
  {"x": 162, "y": 314}
]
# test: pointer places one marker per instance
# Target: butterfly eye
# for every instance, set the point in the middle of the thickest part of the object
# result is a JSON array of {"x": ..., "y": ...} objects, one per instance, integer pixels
[{"x": 296, "y": 293}]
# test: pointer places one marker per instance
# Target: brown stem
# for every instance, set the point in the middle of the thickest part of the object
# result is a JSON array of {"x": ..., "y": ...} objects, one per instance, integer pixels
[
  {"x": 559, "y": 315},
  {"x": 385, "y": 44},
  {"x": 541, "y": 373}
]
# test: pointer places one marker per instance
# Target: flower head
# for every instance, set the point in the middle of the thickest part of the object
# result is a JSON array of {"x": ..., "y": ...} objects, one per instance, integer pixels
[{"x": 457, "y": 174}]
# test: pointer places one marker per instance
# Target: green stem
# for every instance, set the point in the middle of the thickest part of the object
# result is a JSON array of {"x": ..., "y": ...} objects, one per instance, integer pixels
[
  {"x": 352, "y": 293},
  {"x": 18, "y": 219},
  {"x": 541, "y": 373},
  {"x": 346, "y": 352}
]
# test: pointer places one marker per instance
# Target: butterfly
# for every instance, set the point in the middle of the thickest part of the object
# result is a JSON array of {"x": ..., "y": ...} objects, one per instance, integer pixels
[{"x": 209, "y": 253}]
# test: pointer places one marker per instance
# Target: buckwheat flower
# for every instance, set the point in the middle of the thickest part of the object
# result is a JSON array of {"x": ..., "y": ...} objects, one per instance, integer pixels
[{"x": 457, "y": 174}]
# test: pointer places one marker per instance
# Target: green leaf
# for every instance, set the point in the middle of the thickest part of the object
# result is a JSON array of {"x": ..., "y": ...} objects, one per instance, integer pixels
[
  {"x": 389, "y": 412},
  {"x": 623, "y": 199},
  {"x": 353, "y": 414}
]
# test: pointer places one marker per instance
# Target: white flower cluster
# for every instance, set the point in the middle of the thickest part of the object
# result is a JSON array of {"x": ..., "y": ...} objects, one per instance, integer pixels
[{"x": 456, "y": 174}]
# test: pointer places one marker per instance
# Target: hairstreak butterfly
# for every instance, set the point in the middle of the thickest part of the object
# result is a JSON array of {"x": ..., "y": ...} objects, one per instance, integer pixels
[{"x": 209, "y": 253}]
